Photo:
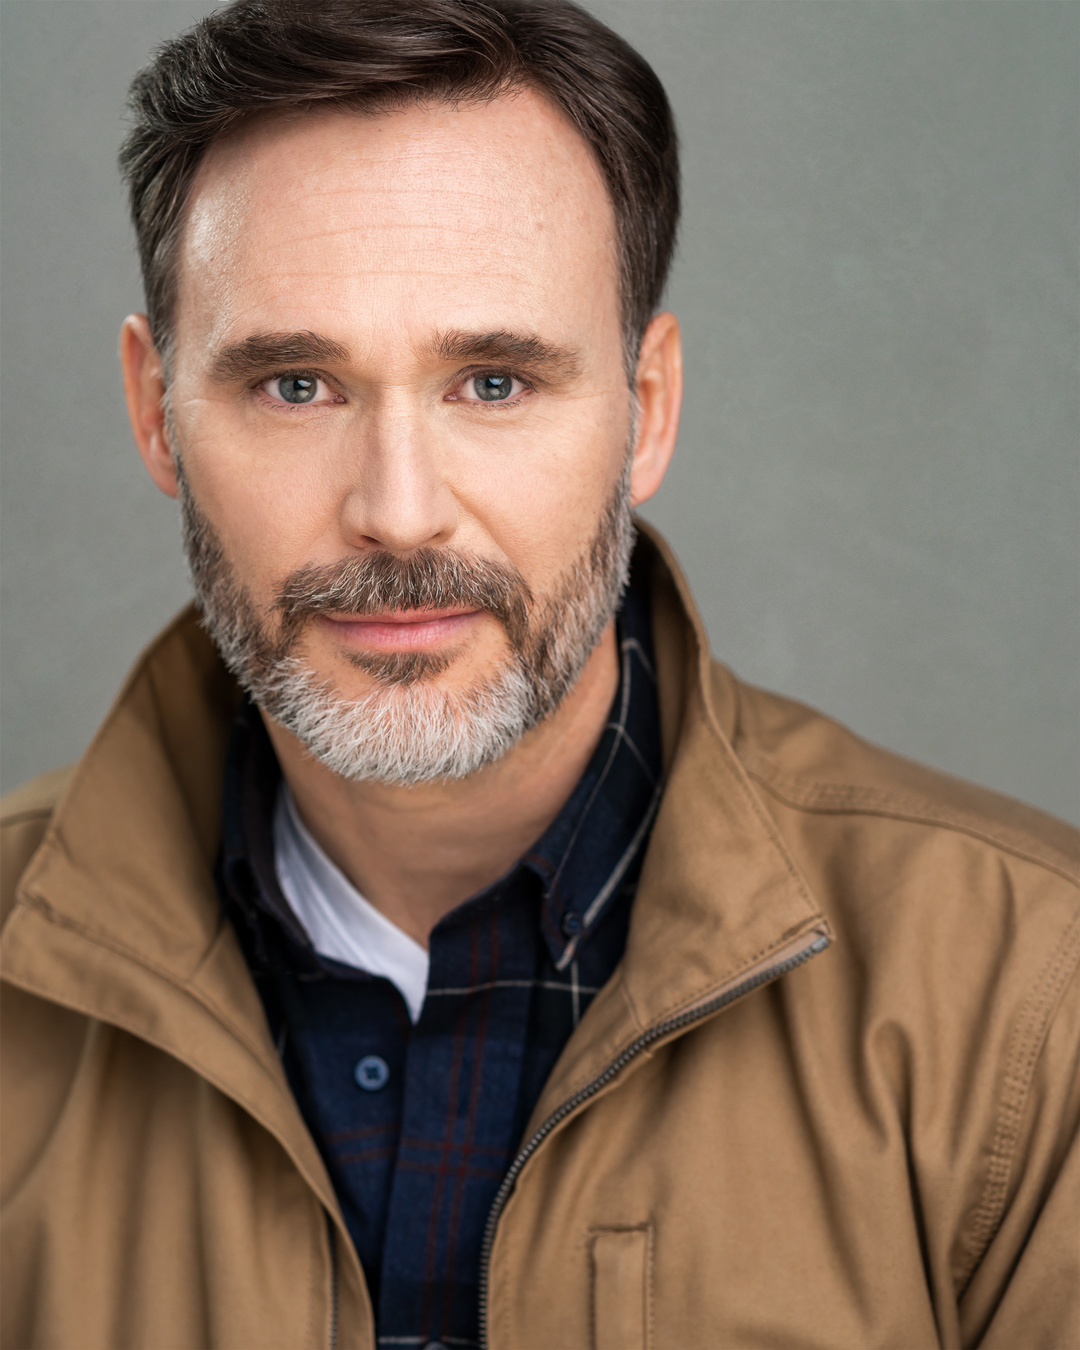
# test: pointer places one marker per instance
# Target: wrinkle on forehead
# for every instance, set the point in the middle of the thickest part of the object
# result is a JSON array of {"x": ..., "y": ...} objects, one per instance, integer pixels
[{"x": 344, "y": 210}]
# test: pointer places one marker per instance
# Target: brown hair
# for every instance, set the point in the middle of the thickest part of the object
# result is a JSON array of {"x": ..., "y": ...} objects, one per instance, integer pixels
[{"x": 260, "y": 55}]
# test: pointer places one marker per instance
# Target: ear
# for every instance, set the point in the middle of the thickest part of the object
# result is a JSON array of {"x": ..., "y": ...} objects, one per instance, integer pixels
[
  {"x": 659, "y": 385},
  {"x": 144, "y": 389}
]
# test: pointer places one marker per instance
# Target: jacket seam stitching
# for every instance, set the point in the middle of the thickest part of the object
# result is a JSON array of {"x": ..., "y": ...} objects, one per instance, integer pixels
[
  {"x": 1028, "y": 1042},
  {"x": 649, "y": 1229},
  {"x": 740, "y": 776},
  {"x": 185, "y": 985},
  {"x": 817, "y": 919},
  {"x": 875, "y": 802},
  {"x": 910, "y": 814},
  {"x": 313, "y": 1282},
  {"x": 214, "y": 1080},
  {"x": 650, "y": 1266},
  {"x": 49, "y": 842},
  {"x": 631, "y": 1005},
  {"x": 677, "y": 1010}
]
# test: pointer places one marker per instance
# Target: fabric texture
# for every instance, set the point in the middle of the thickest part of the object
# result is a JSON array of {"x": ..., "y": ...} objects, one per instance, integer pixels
[
  {"x": 417, "y": 1124},
  {"x": 829, "y": 1098},
  {"x": 341, "y": 923}
]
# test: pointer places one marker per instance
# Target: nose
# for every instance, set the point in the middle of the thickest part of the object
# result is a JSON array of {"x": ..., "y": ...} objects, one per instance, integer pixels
[{"x": 397, "y": 497}]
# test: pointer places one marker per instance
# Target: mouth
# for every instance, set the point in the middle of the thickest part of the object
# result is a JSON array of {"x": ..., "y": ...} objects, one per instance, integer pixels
[{"x": 403, "y": 631}]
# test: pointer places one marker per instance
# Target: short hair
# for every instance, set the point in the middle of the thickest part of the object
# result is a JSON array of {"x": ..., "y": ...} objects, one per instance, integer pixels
[{"x": 257, "y": 56}]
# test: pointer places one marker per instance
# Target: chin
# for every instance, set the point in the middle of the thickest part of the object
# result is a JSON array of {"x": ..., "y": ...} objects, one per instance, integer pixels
[{"x": 405, "y": 732}]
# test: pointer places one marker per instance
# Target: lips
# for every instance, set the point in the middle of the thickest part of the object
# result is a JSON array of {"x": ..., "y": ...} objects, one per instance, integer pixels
[{"x": 405, "y": 630}]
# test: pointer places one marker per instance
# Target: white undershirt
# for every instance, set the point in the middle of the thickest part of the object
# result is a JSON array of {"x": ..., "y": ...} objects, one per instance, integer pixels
[{"x": 337, "y": 918}]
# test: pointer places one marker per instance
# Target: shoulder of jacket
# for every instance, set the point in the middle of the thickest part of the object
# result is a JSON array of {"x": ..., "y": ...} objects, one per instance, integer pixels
[
  {"x": 814, "y": 764},
  {"x": 24, "y": 817},
  {"x": 38, "y": 797}
]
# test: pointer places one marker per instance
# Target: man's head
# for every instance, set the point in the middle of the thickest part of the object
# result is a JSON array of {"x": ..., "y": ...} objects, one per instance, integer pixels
[
  {"x": 290, "y": 56},
  {"x": 395, "y": 324}
]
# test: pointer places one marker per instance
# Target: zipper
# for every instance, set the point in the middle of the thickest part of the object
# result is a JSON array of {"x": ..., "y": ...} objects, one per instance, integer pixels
[
  {"x": 780, "y": 964},
  {"x": 332, "y": 1238}
]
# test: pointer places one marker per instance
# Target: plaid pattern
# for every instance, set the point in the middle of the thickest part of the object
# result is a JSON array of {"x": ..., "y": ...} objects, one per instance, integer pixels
[{"x": 416, "y": 1162}]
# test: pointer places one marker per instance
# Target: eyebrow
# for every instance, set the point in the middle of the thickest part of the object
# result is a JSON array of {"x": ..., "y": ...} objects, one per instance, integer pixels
[
  {"x": 255, "y": 354},
  {"x": 546, "y": 359}
]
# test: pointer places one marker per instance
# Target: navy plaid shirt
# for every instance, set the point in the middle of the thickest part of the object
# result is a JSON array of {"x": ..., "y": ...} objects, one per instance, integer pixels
[{"x": 418, "y": 1139}]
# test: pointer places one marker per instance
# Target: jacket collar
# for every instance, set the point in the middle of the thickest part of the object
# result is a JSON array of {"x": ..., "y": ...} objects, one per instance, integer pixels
[
  {"x": 118, "y": 915},
  {"x": 720, "y": 896}
]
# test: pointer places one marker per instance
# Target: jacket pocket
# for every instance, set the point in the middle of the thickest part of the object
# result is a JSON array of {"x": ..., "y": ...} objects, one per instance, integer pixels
[{"x": 621, "y": 1287}]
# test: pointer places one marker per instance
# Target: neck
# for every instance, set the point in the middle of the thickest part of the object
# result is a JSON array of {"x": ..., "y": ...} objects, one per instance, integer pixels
[{"x": 416, "y": 853}]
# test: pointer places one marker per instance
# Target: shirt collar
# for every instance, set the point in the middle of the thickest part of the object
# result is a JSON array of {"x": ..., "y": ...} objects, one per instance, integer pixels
[{"x": 595, "y": 844}]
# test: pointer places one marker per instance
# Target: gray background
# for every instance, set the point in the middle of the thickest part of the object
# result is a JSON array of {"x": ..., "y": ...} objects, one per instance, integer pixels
[{"x": 877, "y": 493}]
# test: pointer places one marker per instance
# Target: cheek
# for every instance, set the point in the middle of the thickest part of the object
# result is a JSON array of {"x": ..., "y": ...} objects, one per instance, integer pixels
[
  {"x": 267, "y": 510},
  {"x": 541, "y": 504}
]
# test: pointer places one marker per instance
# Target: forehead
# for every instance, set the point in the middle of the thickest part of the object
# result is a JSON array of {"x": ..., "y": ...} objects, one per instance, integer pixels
[{"x": 474, "y": 216}]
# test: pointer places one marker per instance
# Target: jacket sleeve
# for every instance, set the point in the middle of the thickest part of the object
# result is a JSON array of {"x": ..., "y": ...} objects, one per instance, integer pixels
[{"x": 1025, "y": 1292}]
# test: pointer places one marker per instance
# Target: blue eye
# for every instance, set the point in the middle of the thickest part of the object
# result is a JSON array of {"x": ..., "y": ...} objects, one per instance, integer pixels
[
  {"x": 297, "y": 388},
  {"x": 493, "y": 388}
]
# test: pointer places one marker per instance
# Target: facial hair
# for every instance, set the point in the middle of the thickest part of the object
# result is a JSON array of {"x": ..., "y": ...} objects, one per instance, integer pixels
[{"x": 406, "y": 730}]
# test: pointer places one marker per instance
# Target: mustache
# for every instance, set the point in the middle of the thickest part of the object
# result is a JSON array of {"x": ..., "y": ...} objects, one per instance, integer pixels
[{"x": 382, "y": 582}]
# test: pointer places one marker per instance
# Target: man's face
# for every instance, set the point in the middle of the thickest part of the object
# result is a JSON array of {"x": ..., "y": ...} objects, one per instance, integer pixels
[{"x": 398, "y": 337}]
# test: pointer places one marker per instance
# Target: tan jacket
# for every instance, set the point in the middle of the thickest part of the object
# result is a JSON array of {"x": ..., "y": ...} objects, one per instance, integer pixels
[{"x": 829, "y": 1099}]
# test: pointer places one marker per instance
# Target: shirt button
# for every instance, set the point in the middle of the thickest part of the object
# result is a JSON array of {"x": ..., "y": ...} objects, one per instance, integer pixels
[
  {"x": 372, "y": 1073},
  {"x": 571, "y": 924}
]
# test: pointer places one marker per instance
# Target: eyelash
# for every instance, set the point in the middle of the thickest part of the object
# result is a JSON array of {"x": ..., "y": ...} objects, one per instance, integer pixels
[
  {"x": 481, "y": 371},
  {"x": 462, "y": 380},
  {"x": 295, "y": 373}
]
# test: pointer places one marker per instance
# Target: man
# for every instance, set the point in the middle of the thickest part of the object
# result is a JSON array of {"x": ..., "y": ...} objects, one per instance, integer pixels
[{"x": 438, "y": 949}]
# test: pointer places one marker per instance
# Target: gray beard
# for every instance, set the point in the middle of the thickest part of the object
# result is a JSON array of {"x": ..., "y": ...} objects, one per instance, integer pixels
[{"x": 405, "y": 730}]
